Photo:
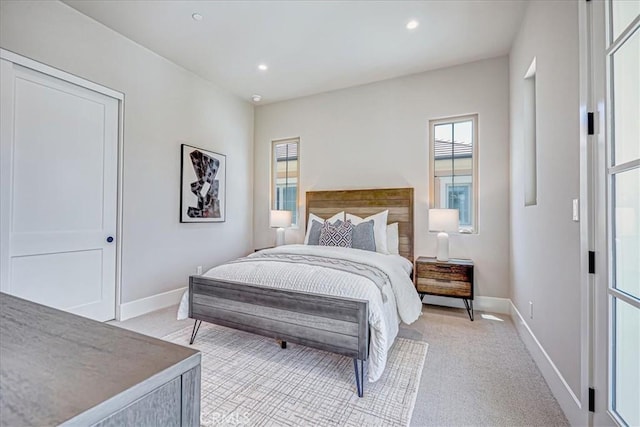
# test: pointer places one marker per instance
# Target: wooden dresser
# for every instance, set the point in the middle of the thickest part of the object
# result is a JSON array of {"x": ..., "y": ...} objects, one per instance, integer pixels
[
  {"x": 59, "y": 368},
  {"x": 453, "y": 278}
]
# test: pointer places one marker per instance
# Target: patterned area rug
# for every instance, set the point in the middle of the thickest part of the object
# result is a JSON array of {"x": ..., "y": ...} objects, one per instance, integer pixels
[{"x": 250, "y": 380}]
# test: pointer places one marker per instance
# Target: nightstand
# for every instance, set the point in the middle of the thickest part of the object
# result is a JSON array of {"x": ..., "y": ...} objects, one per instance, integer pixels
[{"x": 453, "y": 278}]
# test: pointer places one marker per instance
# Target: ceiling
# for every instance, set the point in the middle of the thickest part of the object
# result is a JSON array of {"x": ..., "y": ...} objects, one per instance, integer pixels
[{"x": 311, "y": 46}]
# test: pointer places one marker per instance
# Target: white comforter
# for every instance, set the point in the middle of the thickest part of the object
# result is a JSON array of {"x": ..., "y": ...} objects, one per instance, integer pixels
[{"x": 401, "y": 297}]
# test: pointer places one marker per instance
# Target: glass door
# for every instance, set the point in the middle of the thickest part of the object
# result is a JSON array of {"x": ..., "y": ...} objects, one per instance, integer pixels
[{"x": 623, "y": 208}]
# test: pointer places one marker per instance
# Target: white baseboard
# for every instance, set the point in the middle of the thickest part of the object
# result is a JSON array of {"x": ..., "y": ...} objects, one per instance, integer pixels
[
  {"x": 565, "y": 396},
  {"x": 147, "y": 305},
  {"x": 490, "y": 304}
]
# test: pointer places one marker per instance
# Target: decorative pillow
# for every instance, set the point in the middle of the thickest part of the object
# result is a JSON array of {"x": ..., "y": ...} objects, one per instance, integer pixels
[
  {"x": 316, "y": 228},
  {"x": 336, "y": 235},
  {"x": 379, "y": 228},
  {"x": 314, "y": 233},
  {"x": 393, "y": 240},
  {"x": 312, "y": 217},
  {"x": 363, "y": 238}
]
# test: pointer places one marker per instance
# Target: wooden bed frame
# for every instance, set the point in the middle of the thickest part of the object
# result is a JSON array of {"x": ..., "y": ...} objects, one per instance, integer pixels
[{"x": 335, "y": 324}]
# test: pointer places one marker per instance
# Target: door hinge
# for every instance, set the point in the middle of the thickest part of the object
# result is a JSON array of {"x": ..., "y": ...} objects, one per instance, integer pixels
[
  {"x": 592, "y": 262},
  {"x": 590, "y": 123},
  {"x": 592, "y": 399}
]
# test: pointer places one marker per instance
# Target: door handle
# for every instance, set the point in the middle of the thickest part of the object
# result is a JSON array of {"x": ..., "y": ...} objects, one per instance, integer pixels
[{"x": 109, "y": 239}]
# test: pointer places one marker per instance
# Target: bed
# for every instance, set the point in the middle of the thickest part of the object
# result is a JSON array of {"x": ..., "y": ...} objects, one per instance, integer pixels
[{"x": 346, "y": 301}]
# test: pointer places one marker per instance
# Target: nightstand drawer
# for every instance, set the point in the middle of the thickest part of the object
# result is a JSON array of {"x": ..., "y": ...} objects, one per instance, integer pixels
[
  {"x": 459, "y": 273},
  {"x": 444, "y": 287}
]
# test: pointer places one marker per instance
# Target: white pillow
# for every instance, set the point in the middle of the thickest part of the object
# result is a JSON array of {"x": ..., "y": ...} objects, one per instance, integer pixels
[
  {"x": 379, "y": 228},
  {"x": 393, "y": 240},
  {"x": 312, "y": 217}
]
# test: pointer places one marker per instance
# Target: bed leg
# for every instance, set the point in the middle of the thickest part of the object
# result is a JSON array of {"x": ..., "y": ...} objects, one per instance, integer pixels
[
  {"x": 194, "y": 332},
  {"x": 359, "y": 376}
]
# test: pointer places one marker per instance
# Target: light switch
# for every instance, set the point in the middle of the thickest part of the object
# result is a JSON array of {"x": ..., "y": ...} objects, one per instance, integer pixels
[{"x": 576, "y": 210}]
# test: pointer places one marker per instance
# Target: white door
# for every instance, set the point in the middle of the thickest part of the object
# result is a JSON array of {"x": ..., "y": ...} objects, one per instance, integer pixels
[
  {"x": 58, "y": 170},
  {"x": 616, "y": 61}
]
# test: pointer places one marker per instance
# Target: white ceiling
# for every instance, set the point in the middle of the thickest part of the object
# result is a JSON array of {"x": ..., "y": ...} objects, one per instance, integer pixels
[{"x": 311, "y": 46}]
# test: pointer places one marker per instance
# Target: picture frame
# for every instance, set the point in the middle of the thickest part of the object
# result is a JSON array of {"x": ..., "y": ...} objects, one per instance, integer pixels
[{"x": 203, "y": 184}]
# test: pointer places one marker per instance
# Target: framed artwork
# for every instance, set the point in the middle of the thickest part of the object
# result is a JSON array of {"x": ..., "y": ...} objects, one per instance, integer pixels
[{"x": 203, "y": 185}]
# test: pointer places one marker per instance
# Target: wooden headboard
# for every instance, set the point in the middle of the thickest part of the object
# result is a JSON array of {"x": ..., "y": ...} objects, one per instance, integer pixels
[{"x": 363, "y": 203}]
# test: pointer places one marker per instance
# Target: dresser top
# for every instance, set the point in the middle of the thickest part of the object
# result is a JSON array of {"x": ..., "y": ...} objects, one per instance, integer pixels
[{"x": 56, "y": 365}]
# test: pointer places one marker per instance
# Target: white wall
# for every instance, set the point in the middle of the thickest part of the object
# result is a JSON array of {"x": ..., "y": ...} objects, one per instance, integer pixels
[
  {"x": 165, "y": 106},
  {"x": 545, "y": 248},
  {"x": 377, "y": 136}
]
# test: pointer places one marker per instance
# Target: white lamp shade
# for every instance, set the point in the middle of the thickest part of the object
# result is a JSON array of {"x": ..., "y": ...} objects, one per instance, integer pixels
[
  {"x": 280, "y": 219},
  {"x": 443, "y": 220}
]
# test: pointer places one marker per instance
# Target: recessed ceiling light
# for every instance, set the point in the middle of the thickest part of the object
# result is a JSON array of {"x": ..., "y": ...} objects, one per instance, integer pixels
[
  {"x": 412, "y": 25},
  {"x": 263, "y": 67},
  {"x": 197, "y": 17},
  {"x": 256, "y": 98}
]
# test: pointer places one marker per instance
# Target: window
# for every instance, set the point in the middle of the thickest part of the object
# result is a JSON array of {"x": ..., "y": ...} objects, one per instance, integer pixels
[
  {"x": 285, "y": 174},
  {"x": 453, "y": 159},
  {"x": 530, "y": 150}
]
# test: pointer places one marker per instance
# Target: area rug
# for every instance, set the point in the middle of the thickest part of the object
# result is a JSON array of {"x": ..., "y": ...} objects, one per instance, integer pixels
[{"x": 249, "y": 380}]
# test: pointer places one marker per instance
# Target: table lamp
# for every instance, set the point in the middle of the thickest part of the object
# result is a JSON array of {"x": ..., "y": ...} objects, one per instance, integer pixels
[
  {"x": 280, "y": 220},
  {"x": 443, "y": 221}
]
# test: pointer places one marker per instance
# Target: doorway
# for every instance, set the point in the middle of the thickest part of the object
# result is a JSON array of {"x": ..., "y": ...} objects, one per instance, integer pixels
[
  {"x": 614, "y": 84},
  {"x": 59, "y": 180}
]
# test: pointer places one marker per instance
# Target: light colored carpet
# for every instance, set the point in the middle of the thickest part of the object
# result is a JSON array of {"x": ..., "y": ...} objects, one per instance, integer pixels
[
  {"x": 478, "y": 373},
  {"x": 475, "y": 374},
  {"x": 250, "y": 380}
]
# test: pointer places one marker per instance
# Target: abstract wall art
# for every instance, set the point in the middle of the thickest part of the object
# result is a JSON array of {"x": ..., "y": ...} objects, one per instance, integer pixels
[{"x": 203, "y": 185}]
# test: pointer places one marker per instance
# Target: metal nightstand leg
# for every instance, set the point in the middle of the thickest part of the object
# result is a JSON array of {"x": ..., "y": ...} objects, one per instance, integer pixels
[{"x": 469, "y": 306}]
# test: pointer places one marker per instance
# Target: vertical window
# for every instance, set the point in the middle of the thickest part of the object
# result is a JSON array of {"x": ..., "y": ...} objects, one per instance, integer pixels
[
  {"x": 530, "y": 145},
  {"x": 453, "y": 160},
  {"x": 285, "y": 176}
]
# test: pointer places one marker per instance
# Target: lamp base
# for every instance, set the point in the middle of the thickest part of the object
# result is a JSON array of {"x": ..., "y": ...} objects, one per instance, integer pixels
[
  {"x": 280, "y": 236},
  {"x": 443, "y": 247}
]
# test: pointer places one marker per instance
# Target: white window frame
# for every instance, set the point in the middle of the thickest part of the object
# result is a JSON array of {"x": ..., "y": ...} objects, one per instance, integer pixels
[
  {"x": 274, "y": 171},
  {"x": 474, "y": 162}
]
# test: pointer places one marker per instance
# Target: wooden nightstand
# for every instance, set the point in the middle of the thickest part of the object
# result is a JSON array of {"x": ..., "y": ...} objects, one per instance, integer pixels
[{"x": 453, "y": 278}]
